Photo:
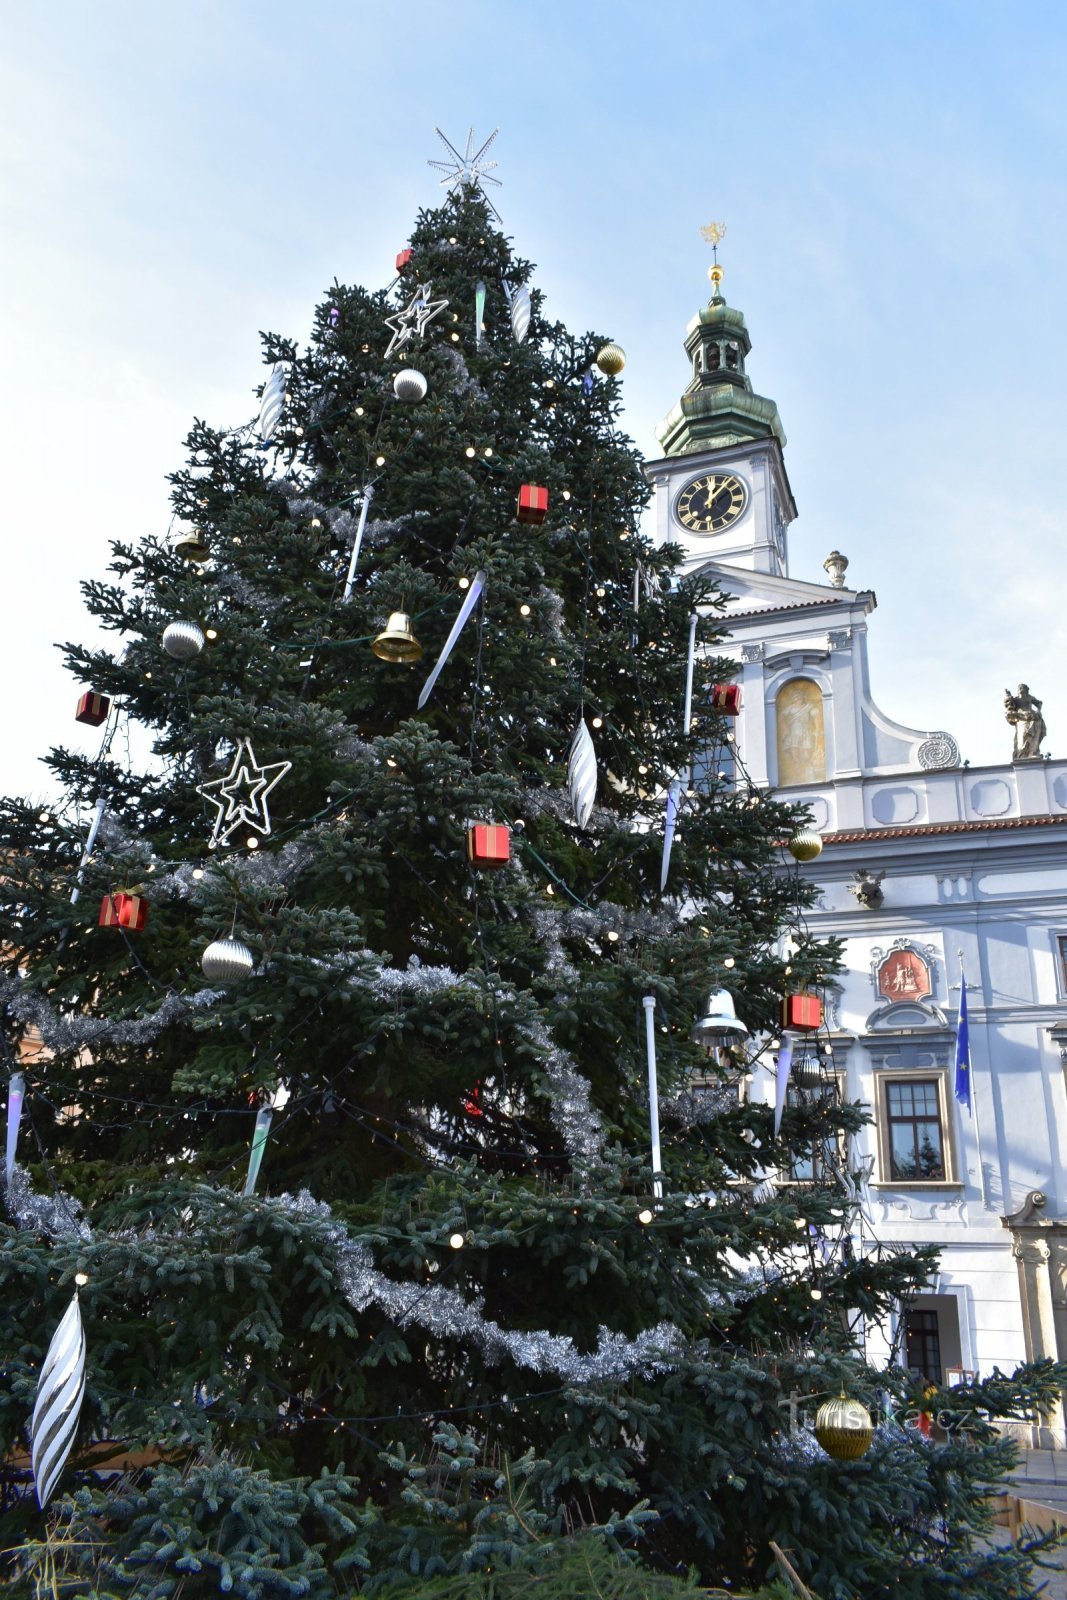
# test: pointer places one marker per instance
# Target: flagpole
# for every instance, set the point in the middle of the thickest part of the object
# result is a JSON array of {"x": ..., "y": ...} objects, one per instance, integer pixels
[{"x": 973, "y": 1100}]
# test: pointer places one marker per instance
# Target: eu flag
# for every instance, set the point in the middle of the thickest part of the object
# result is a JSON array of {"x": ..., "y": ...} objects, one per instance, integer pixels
[{"x": 962, "y": 1082}]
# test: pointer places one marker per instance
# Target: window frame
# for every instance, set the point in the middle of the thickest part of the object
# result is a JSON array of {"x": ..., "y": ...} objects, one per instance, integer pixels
[
  {"x": 835, "y": 1075},
  {"x": 936, "y": 1075},
  {"x": 1059, "y": 951}
]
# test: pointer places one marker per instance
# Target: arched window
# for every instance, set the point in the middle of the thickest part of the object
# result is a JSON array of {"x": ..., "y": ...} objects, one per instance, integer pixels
[{"x": 801, "y": 737}]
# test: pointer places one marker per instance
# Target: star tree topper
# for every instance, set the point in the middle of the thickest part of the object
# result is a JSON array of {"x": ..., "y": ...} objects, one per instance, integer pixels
[
  {"x": 468, "y": 171},
  {"x": 411, "y": 323},
  {"x": 241, "y": 796}
]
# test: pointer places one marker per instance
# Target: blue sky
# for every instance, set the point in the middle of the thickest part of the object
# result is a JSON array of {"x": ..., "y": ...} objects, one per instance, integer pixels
[{"x": 177, "y": 176}]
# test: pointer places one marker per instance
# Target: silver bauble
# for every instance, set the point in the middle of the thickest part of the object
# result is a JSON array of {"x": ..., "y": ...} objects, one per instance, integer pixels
[
  {"x": 410, "y": 385},
  {"x": 183, "y": 640},
  {"x": 227, "y": 961}
]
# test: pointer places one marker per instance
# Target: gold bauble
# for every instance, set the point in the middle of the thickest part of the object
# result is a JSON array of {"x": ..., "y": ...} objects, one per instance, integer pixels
[
  {"x": 398, "y": 641},
  {"x": 844, "y": 1428},
  {"x": 611, "y": 359},
  {"x": 805, "y": 845}
]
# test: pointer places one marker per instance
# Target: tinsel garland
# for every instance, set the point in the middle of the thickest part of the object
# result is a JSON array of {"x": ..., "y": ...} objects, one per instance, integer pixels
[
  {"x": 443, "y": 1312},
  {"x": 56, "y": 1216},
  {"x": 577, "y": 1123},
  {"x": 64, "y": 1034},
  {"x": 447, "y": 1315}
]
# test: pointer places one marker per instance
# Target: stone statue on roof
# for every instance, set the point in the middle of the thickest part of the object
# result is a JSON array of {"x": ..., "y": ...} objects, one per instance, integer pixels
[{"x": 1023, "y": 711}]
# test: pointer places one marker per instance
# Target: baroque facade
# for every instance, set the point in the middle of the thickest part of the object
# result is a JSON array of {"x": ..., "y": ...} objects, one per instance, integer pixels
[{"x": 927, "y": 863}]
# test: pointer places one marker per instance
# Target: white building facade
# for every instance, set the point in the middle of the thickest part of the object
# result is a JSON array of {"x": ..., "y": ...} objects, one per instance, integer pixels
[{"x": 925, "y": 860}]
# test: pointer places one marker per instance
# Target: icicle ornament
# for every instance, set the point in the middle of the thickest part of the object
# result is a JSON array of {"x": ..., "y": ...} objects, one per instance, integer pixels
[
  {"x": 59, "y": 1396},
  {"x": 581, "y": 773},
  {"x": 16, "y": 1094}
]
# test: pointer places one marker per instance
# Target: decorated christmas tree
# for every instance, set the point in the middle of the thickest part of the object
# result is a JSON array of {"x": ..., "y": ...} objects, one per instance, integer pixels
[{"x": 375, "y": 1156}]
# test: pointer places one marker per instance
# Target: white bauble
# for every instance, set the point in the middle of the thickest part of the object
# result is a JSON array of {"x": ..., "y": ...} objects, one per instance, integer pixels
[
  {"x": 409, "y": 385},
  {"x": 183, "y": 640}
]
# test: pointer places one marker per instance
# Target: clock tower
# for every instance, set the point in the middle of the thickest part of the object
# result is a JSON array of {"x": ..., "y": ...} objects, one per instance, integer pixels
[{"x": 721, "y": 486}]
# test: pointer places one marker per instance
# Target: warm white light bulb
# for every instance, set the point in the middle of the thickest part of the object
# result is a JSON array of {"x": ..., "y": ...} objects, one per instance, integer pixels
[
  {"x": 457, "y": 1241},
  {"x": 644, "y": 1216}
]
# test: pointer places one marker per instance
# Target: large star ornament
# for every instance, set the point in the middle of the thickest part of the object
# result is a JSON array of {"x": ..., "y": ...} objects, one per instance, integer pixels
[
  {"x": 241, "y": 796},
  {"x": 411, "y": 323},
  {"x": 468, "y": 171}
]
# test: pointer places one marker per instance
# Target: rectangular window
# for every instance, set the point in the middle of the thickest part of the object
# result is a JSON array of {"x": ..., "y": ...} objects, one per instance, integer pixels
[
  {"x": 1061, "y": 951},
  {"x": 922, "y": 1341},
  {"x": 915, "y": 1139},
  {"x": 715, "y": 767},
  {"x": 810, "y": 1163}
]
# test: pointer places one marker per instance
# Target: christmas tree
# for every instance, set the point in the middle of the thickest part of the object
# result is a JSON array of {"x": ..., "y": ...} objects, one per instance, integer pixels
[{"x": 341, "y": 1028}]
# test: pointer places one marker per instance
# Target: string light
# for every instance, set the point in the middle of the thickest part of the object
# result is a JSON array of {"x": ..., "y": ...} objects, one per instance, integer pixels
[
  {"x": 379, "y": 461},
  {"x": 457, "y": 1241},
  {"x": 211, "y": 633},
  {"x": 470, "y": 451},
  {"x": 198, "y": 872},
  {"x": 524, "y": 611},
  {"x": 613, "y": 937},
  {"x": 464, "y": 583},
  {"x": 253, "y": 842},
  {"x": 729, "y": 962},
  {"x": 644, "y": 1217},
  {"x": 598, "y": 722},
  {"x": 488, "y": 450}
]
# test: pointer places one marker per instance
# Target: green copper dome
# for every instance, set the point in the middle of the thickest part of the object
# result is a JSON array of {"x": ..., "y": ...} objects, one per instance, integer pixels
[{"x": 718, "y": 408}]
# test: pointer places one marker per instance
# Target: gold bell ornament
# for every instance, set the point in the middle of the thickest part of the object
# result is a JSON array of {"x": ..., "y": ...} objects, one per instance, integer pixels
[
  {"x": 844, "y": 1428},
  {"x": 397, "y": 642},
  {"x": 190, "y": 544}
]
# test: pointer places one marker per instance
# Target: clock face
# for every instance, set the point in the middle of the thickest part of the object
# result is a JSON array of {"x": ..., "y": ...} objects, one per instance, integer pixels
[{"x": 710, "y": 503}]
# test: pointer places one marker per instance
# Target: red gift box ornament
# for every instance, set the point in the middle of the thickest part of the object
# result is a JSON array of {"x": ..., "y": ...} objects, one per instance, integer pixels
[
  {"x": 488, "y": 845},
  {"x": 726, "y": 697},
  {"x": 533, "y": 503},
  {"x": 92, "y": 708},
  {"x": 123, "y": 911},
  {"x": 802, "y": 1011},
  {"x": 403, "y": 258}
]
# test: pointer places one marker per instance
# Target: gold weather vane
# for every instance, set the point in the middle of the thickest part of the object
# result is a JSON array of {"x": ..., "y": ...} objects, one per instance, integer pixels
[{"x": 714, "y": 233}]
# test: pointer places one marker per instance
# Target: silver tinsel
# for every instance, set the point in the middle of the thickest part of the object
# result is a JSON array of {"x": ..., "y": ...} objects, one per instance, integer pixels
[
  {"x": 446, "y": 1314},
  {"x": 57, "y": 1216},
  {"x": 75, "y": 1032},
  {"x": 577, "y": 1123}
]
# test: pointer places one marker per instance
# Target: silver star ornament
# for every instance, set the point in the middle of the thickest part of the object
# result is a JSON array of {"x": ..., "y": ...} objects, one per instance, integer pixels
[
  {"x": 240, "y": 797},
  {"x": 411, "y": 323},
  {"x": 468, "y": 171}
]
